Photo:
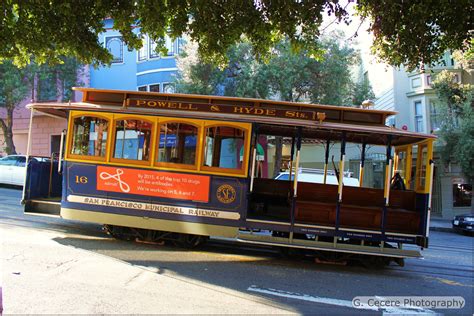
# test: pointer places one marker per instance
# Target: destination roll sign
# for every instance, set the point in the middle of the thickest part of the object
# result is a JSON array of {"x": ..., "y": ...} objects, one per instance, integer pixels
[{"x": 226, "y": 109}]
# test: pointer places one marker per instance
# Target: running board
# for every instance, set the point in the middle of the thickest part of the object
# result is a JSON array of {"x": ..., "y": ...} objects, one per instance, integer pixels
[
  {"x": 42, "y": 207},
  {"x": 327, "y": 246}
]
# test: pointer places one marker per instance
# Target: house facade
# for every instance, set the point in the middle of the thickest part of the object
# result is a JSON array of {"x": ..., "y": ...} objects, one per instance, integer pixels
[
  {"x": 415, "y": 100},
  {"x": 142, "y": 70}
]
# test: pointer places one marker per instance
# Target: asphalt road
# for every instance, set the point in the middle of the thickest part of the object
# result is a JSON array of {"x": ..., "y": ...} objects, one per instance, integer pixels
[{"x": 220, "y": 277}]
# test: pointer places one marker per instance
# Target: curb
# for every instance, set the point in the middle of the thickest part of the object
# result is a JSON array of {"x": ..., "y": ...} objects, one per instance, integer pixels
[{"x": 442, "y": 229}]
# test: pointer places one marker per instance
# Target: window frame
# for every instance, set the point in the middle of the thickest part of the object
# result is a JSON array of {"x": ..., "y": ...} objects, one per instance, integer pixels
[
  {"x": 419, "y": 187},
  {"x": 74, "y": 114},
  {"x": 199, "y": 148},
  {"x": 144, "y": 48},
  {"x": 155, "y": 84},
  {"x": 418, "y": 116},
  {"x": 408, "y": 150},
  {"x": 116, "y": 62},
  {"x": 171, "y": 84},
  {"x": 246, "y": 127},
  {"x": 121, "y": 117}
]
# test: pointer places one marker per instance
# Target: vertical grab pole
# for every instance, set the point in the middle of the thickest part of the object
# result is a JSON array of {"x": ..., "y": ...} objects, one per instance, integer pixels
[
  {"x": 326, "y": 161},
  {"x": 298, "y": 150},
  {"x": 362, "y": 163},
  {"x": 388, "y": 178},
  {"x": 292, "y": 155},
  {"x": 295, "y": 182},
  {"x": 341, "y": 167},
  {"x": 28, "y": 149},
  {"x": 388, "y": 171},
  {"x": 254, "y": 158},
  {"x": 340, "y": 179},
  {"x": 431, "y": 176},
  {"x": 61, "y": 144}
]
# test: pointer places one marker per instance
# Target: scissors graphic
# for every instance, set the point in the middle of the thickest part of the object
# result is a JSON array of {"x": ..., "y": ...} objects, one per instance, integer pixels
[{"x": 123, "y": 185}]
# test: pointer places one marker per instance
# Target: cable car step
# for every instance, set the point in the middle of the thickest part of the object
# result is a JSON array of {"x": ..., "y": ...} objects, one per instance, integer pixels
[{"x": 43, "y": 207}]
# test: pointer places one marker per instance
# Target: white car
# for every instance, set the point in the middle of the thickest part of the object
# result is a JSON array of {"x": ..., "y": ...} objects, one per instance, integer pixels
[
  {"x": 317, "y": 176},
  {"x": 13, "y": 169}
]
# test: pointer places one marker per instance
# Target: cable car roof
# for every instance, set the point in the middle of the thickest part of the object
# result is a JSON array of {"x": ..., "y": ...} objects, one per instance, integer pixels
[{"x": 274, "y": 117}]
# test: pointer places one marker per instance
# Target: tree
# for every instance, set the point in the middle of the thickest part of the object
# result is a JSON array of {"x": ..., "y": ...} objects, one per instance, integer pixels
[
  {"x": 53, "y": 83},
  {"x": 285, "y": 76},
  {"x": 15, "y": 84},
  {"x": 362, "y": 89},
  {"x": 406, "y": 32},
  {"x": 457, "y": 127},
  {"x": 415, "y": 33}
]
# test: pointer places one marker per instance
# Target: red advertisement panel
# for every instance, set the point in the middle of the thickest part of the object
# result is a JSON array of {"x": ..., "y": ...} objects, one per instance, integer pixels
[{"x": 153, "y": 183}]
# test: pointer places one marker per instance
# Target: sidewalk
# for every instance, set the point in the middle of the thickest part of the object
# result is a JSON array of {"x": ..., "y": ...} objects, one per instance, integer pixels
[{"x": 440, "y": 224}]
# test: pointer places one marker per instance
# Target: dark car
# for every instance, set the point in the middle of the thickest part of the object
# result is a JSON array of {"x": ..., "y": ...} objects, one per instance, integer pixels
[{"x": 464, "y": 223}]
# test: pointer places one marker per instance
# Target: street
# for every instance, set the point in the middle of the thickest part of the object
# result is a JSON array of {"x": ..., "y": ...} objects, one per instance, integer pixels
[{"x": 50, "y": 265}]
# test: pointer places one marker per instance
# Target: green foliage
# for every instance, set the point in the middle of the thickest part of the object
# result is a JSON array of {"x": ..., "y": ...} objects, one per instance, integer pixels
[
  {"x": 362, "y": 89},
  {"x": 457, "y": 127},
  {"x": 415, "y": 33},
  {"x": 409, "y": 32},
  {"x": 16, "y": 83},
  {"x": 285, "y": 76}
]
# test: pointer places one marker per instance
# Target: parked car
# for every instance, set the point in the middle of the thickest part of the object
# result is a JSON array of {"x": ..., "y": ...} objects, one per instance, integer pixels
[
  {"x": 317, "y": 176},
  {"x": 464, "y": 223},
  {"x": 13, "y": 169}
]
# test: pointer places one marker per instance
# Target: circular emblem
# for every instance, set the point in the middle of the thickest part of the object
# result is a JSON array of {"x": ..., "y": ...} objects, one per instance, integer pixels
[{"x": 226, "y": 193}]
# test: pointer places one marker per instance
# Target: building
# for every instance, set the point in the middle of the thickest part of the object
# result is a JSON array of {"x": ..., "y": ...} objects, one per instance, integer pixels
[
  {"x": 143, "y": 70},
  {"x": 413, "y": 97}
]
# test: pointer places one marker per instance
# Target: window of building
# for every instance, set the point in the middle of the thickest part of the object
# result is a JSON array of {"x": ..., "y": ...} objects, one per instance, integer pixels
[
  {"x": 132, "y": 139},
  {"x": 418, "y": 117},
  {"x": 434, "y": 116},
  {"x": 170, "y": 46},
  {"x": 47, "y": 88},
  {"x": 89, "y": 136},
  {"x": 390, "y": 121},
  {"x": 462, "y": 194},
  {"x": 143, "y": 52},
  {"x": 155, "y": 87},
  {"x": 142, "y": 88},
  {"x": 152, "y": 50},
  {"x": 178, "y": 143},
  {"x": 168, "y": 88},
  {"x": 115, "y": 46},
  {"x": 428, "y": 80},
  {"x": 222, "y": 147},
  {"x": 55, "y": 144},
  {"x": 416, "y": 82}
]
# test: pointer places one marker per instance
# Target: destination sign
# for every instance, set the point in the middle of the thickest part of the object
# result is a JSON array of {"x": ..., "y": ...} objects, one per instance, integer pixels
[{"x": 226, "y": 109}]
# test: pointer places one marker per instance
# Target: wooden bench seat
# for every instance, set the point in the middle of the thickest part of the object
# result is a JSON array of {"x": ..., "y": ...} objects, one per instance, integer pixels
[{"x": 316, "y": 205}]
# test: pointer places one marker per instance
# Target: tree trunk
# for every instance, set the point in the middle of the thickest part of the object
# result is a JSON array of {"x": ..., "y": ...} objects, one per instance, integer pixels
[
  {"x": 7, "y": 128},
  {"x": 278, "y": 154}
]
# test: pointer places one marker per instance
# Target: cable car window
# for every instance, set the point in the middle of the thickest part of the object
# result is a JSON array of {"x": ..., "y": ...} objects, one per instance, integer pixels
[
  {"x": 222, "y": 147},
  {"x": 178, "y": 143},
  {"x": 422, "y": 156},
  {"x": 89, "y": 136},
  {"x": 132, "y": 140}
]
